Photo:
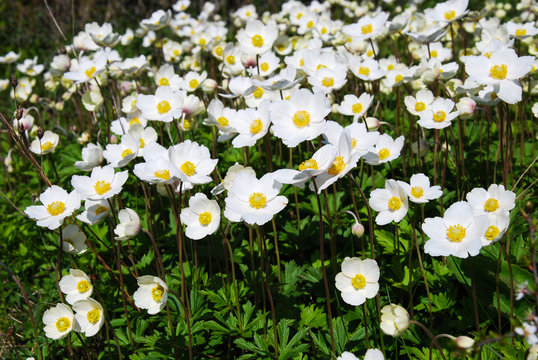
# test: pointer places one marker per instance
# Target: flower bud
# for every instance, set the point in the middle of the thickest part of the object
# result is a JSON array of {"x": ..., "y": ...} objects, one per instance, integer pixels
[
  {"x": 464, "y": 342},
  {"x": 209, "y": 86},
  {"x": 129, "y": 224},
  {"x": 357, "y": 230},
  {"x": 466, "y": 107},
  {"x": 372, "y": 123},
  {"x": 394, "y": 320}
]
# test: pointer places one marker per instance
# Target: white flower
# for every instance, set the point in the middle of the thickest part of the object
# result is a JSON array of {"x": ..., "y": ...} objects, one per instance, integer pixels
[
  {"x": 128, "y": 226},
  {"x": 439, "y": 116},
  {"x": 419, "y": 190},
  {"x": 385, "y": 150},
  {"x": 256, "y": 37},
  {"x": 95, "y": 211},
  {"x": 374, "y": 354},
  {"x": 394, "y": 320},
  {"x": 355, "y": 106},
  {"x": 9, "y": 58},
  {"x": 164, "y": 106},
  {"x": 157, "y": 20},
  {"x": 300, "y": 118},
  {"x": 46, "y": 144},
  {"x": 192, "y": 80},
  {"x": 57, "y": 205},
  {"x": 358, "y": 280},
  {"x": 119, "y": 155},
  {"x": 193, "y": 162},
  {"x": 74, "y": 240},
  {"x": 87, "y": 69},
  {"x": 76, "y": 286},
  {"x": 495, "y": 201},
  {"x": 496, "y": 229},
  {"x": 528, "y": 331},
  {"x": 232, "y": 172},
  {"x": 92, "y": 156},
  {"x": 89, "y": 316},
  {"x": 367, "y": 27},
  {"x": 254, "y": 201},
  {"x": 103, "y": 183},
  {"x": 252, "y": 125},
  {"x": 447, "y": 11},
  {"x": 421, "y": 102},
  {"x": 346, "y": 355},
  {"x": 58, "y": 321},
  {"x": 458, "y": 233},
  {"x": 152, "y": 294},
  {"x": 202, "y": 217},
  {"x": 391, "y": 203}
]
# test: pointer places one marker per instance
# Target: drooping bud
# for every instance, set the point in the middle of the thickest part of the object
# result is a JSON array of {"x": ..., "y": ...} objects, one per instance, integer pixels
[{"x": 358, "y": 230}]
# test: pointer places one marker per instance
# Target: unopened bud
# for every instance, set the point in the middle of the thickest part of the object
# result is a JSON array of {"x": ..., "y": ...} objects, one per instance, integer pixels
[
  {"x": 464, "y": 342},
  {"x": 19, "y": 113},
  {"x": 209, "y": 86},
  {"x": 40, "y": 133},
  {"x": 14, "y": 81},
  {"x": 357, "y": 230},
  {"x": 466, "y": 107},
  {"x": 372, "y": 123}
]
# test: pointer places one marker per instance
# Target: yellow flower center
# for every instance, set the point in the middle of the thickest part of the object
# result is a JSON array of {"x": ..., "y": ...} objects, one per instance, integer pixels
[
  {"x": 439, "y": 116},
  {"x": 175, "y": 52},
  {"x": 498, "y": 72},
  {"x": 394, "y": 203},
  {"x": 56, "y": 208},
  {"x": 337, "y": 166},
  {"x": 450, "y": 14},
  {"x": 101, "y": 187},
  {"x": 89, "y": 72},
  {"x": 46, "y": 146},
  {"x": 353, "y": 143},
  {"x": 258, "y": 93},
  {"x": 310, "y": 24},
  {"x": 157, "y": 292},
  {"x": 363, "y": 70},
  {"x": 142, "y": 143},
  {"x": 101, "y": 209},
  {"x": 521, "y": 32},
  {"x": 257, "y": 40},
  {"x": 417, "y": 191},
  {"x": 93, "y": 316},
  {"x": 358, "y": 281},
  {"x": 492, "y": 232},
  {"x": 301, "y": 118},
  {"x": 163, "y": 107},
  {"x": 327, "y": 81},
  {"x": 163, "y": 81},
  {"x": 309, "y": 164},
  {"x": 256, "y": 126},
  {"x": 390, "y": 67},
  {"x": 219, "y": 51},
  {"x": 62, "y": 324},
  {"x": 193, "y": 83},
  {"x": 230, "y": 59},
  {"x": 162, "y": 174},
  {"x": 299, "y": 15},
  {"x": 281, "y": 47},
  {"x": 257, "y": 200},
  {"x": 264, "y": 66},
  {"x": 222, "y": 121},
  {"x": 420, "y": 106},
  {"x": 356, "y": 108},
  {"x": 202, "y": 41},
  {"x": 383, "y": 154},
  {"x": 133, "y": 121},
  {"x": 488, "y": 54},
  {"x": 188, "y": 168},
  {"x": 125, "y": 153},
  {"x": 205, "y": 218},
  {"x": 366, "y": 29},
  {"x": 455, "y": 233},
  {"x": 83, "y": 286},
  {"x": 398, "y": 78},
  {"x": 433, "y": 53},
  {"x": 323, "y": 30},
  {"x": 491, "y": 205},
  {"x": 301, "y": 62}
]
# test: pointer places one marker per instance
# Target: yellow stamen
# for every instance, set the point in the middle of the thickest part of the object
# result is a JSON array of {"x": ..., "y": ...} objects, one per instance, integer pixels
[
  {"x": 521, "y": 32},
  {"x": 366, "y": 29},
  {"x": 439, "y": 116},
  {"x": 62, "y": 324},
  {"x": 383, "y": 154},
  {"x": 358, "y": 281},
  {"x": 89, "y": 72},
  {"x": 157, "y": 292},
  {"x": 498, "y": 72},
  {"x": 125, "y": 153},
  {"x": 301, "y": 118},
  {"x": 450, "y": 14},
  {"x": 417, "y": 191},
  {"x": 455, "y": 233},
  {"x": 205, "y": 218},
  {"x": 327, "y": 81},
  {"x": 93, "y": 316},
  {"x": 133, "y": 121},
  {"x": 264, "y": 66},
  {"x": 337, "y": 166},
  {"x": 219, "y": 51},
  {"x": 230, "y": 59},
  {"x": 162, "y": 174},
  {"x": 398, "y": 78},
  {"x": 101, "y": 209},
  {"x": 256, "y": 126},
  {"x": 193, "y": 83},
  {"x": 433, "y": 53},
  {"x": 56, "y": 208},
  {"x": 223, "y": 121},
  {"x": 491, "y": 205},
  {"x": 356, "y": 108},
  {"x": 364, "y": 71},
  {"x": 188, "y": 168},
  {"x": 83, "y": 286},
  {"x": 257, "y": 40},
  {"x": 394, "y": 203},
  {"x": 257, "y": 200},
  {"x": 309, "y": 164},
  {"x": 492, "y": 232},
  {"x": 101, "y": 187},
  {"x": 420, "y": 106},
  {"x": 142, "y": 143},
  {"x": 163, "y": 81},
  {"x": 163, "y": 107},
  {"x": 46, "y": 146},
  {"x": 258, "y": 93}
]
